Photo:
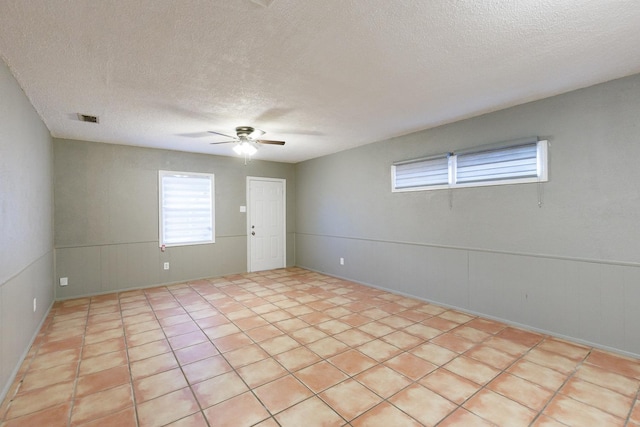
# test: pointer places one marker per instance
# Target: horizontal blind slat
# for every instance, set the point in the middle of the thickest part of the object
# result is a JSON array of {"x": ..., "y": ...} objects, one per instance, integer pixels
[
  {"x": 422, "y": 173},
  {"x": 187, "y": 209}
]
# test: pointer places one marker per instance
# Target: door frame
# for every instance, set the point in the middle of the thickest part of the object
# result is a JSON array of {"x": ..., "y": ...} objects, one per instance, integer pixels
[{"x": 283, "y": 182}]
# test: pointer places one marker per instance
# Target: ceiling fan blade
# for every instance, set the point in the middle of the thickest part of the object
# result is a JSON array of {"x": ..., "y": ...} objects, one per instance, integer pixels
[
  {"x": 223, "y": 142},
  {"x": 222, "y": 134},
  {"x": 266, "y": 141}
]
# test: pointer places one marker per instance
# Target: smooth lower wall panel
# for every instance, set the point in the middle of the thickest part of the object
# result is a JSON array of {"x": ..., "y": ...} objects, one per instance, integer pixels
[
  {"x": 591, "y": 302},
  {"x": 18, "y": 322},
  {"x": 110, "y": 268},
  {"x": 573, "y": 298}
]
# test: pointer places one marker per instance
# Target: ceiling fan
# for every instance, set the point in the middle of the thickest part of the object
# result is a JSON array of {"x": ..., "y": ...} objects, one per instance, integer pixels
[{"x": 246, "y": 140}]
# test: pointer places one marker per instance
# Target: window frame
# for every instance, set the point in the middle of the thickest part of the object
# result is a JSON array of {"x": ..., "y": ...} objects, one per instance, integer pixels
[
  {"x": 161, "y": 233},
  {"x": 542, "y": 167}
]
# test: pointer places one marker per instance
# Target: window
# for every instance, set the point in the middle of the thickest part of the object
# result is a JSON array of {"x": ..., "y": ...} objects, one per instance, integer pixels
[
  {"x": 187, "y": 215},
  {"x": 505, "y": 163},
  {"x": 415, "y": 174}
]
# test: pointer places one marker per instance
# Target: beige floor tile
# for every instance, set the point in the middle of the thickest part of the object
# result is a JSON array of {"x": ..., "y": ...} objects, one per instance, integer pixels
[
  {"x": 463, "y": 418},
  {"x": 352, "y": 362},
  {"x": 521, "y": 336},
  {"x": 101, "y": 404},
  {"x": 153, "y": 365},
  {"x": 379, "y": 350},
  {"x": 167, "y": 408},
  {"x": 219, "y": 389},
  {"x": 545, "y": 377},
  {"x": 402, "y": 340},
  {"x": 350, "y": 399},
  {"x": 241, "y": 410},
  {"x": 434, "y": 353},
  {"x": 385, "y": 415},
  {"x": 195, "y": 352},
  {"x": 206, "y": 368},
  {"x": 522, "y": 391},
  {"x": 447, "y": 384},
  {"x": 194, "y": 420},
  {"x": 472, "y": 369},
  {"x": 499, "y": 410},
  {"x": 40, "y": 399},
  {"x": 151, "y": 349},
  {"x": 569, "y": 350},
  {"x": 423, "y": 404},
  {"x": 55, "y": 416},
  {"x": 471, "y": 334},
  {"x": 599, "y": 397},
  {"x": 328, "y": 347},
  {"x": 148, "y": 388},
  {"x": 603, "y": 378},
  {"x": 312, "y": 412},
  {"x": 262, "y": 333},
  {"x": 102, "y": 380},
  {"x": 573, "y": 413},
  {"x": 551, "y": 360},
  {"x": 55, "y": 358},
  {"x": 410, "y": 366},
  {"x": 232, "y": 342},
  {"x": 383, "y": 381},
  {"x": 282, "y": 393},
  {"x": 486, "y": 325},
  {"x": 297, "y": 358},
  {"x": 245, "y": 356},
  {"x": 320, "y": 376},
  {"x": 617, "y": 364},
  {"x": 261, "y": 372},
  {"x": 490, "y": 356},
  {"x": 453, "y": 342},
  {"x": 35, "y": 379},
  {"x": 278, "y": 345}
]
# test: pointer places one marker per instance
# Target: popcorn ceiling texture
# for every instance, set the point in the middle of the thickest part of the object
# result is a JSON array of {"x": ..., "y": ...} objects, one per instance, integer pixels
[{"x": 323, "y": 75}]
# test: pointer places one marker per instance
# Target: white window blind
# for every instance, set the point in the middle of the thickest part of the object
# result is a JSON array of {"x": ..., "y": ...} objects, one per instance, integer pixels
[
  {"x": 186, "y": 208},
  {"x": 498, "y": 164},
  {"x": 415, "y": 174},
  {"x": 513, "y": 162}
]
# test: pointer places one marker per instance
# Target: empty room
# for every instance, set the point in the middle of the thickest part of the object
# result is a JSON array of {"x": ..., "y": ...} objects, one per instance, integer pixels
[{"x": 319, "y": 213}]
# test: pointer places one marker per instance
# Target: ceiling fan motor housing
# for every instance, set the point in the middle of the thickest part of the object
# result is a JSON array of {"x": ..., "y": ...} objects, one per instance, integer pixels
[{"x": 244, "y": 131}]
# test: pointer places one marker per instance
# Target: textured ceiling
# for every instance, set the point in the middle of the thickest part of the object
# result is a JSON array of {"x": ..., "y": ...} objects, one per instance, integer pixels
[{"x": 323, "y": 75}]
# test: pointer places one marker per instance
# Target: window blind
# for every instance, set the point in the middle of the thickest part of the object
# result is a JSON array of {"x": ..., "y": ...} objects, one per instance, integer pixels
[
  {"x": 422, "y": 173},
  {"x": 497, "y": 164},
  {"x": 186, "y": 209}
]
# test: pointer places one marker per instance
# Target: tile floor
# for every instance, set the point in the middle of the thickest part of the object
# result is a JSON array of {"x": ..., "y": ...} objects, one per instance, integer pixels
[{"x": 296, "y": 348}]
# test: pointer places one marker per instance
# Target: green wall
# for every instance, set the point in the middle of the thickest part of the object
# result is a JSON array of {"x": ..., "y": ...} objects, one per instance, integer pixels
[
  {"x": 106, "y": 216},
  {"x": 570, "y": 267},
  {"x": 26, "y": 225}
]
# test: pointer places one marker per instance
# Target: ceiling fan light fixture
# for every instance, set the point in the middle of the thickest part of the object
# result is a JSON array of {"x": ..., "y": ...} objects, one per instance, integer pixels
[{"x": 245, "y": 148}]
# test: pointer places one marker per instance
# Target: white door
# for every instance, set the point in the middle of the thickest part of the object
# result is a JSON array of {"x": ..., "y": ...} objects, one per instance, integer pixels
[{"x": 266, "y": 223}]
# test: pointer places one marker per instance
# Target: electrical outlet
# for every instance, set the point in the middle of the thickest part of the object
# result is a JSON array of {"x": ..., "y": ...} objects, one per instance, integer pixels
[
  {"x": 35, "y": 304},
  {"x": 166, "y": 265},
  {"x": 341, "y": 261},
  {"x": 64, "y": 281}
]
